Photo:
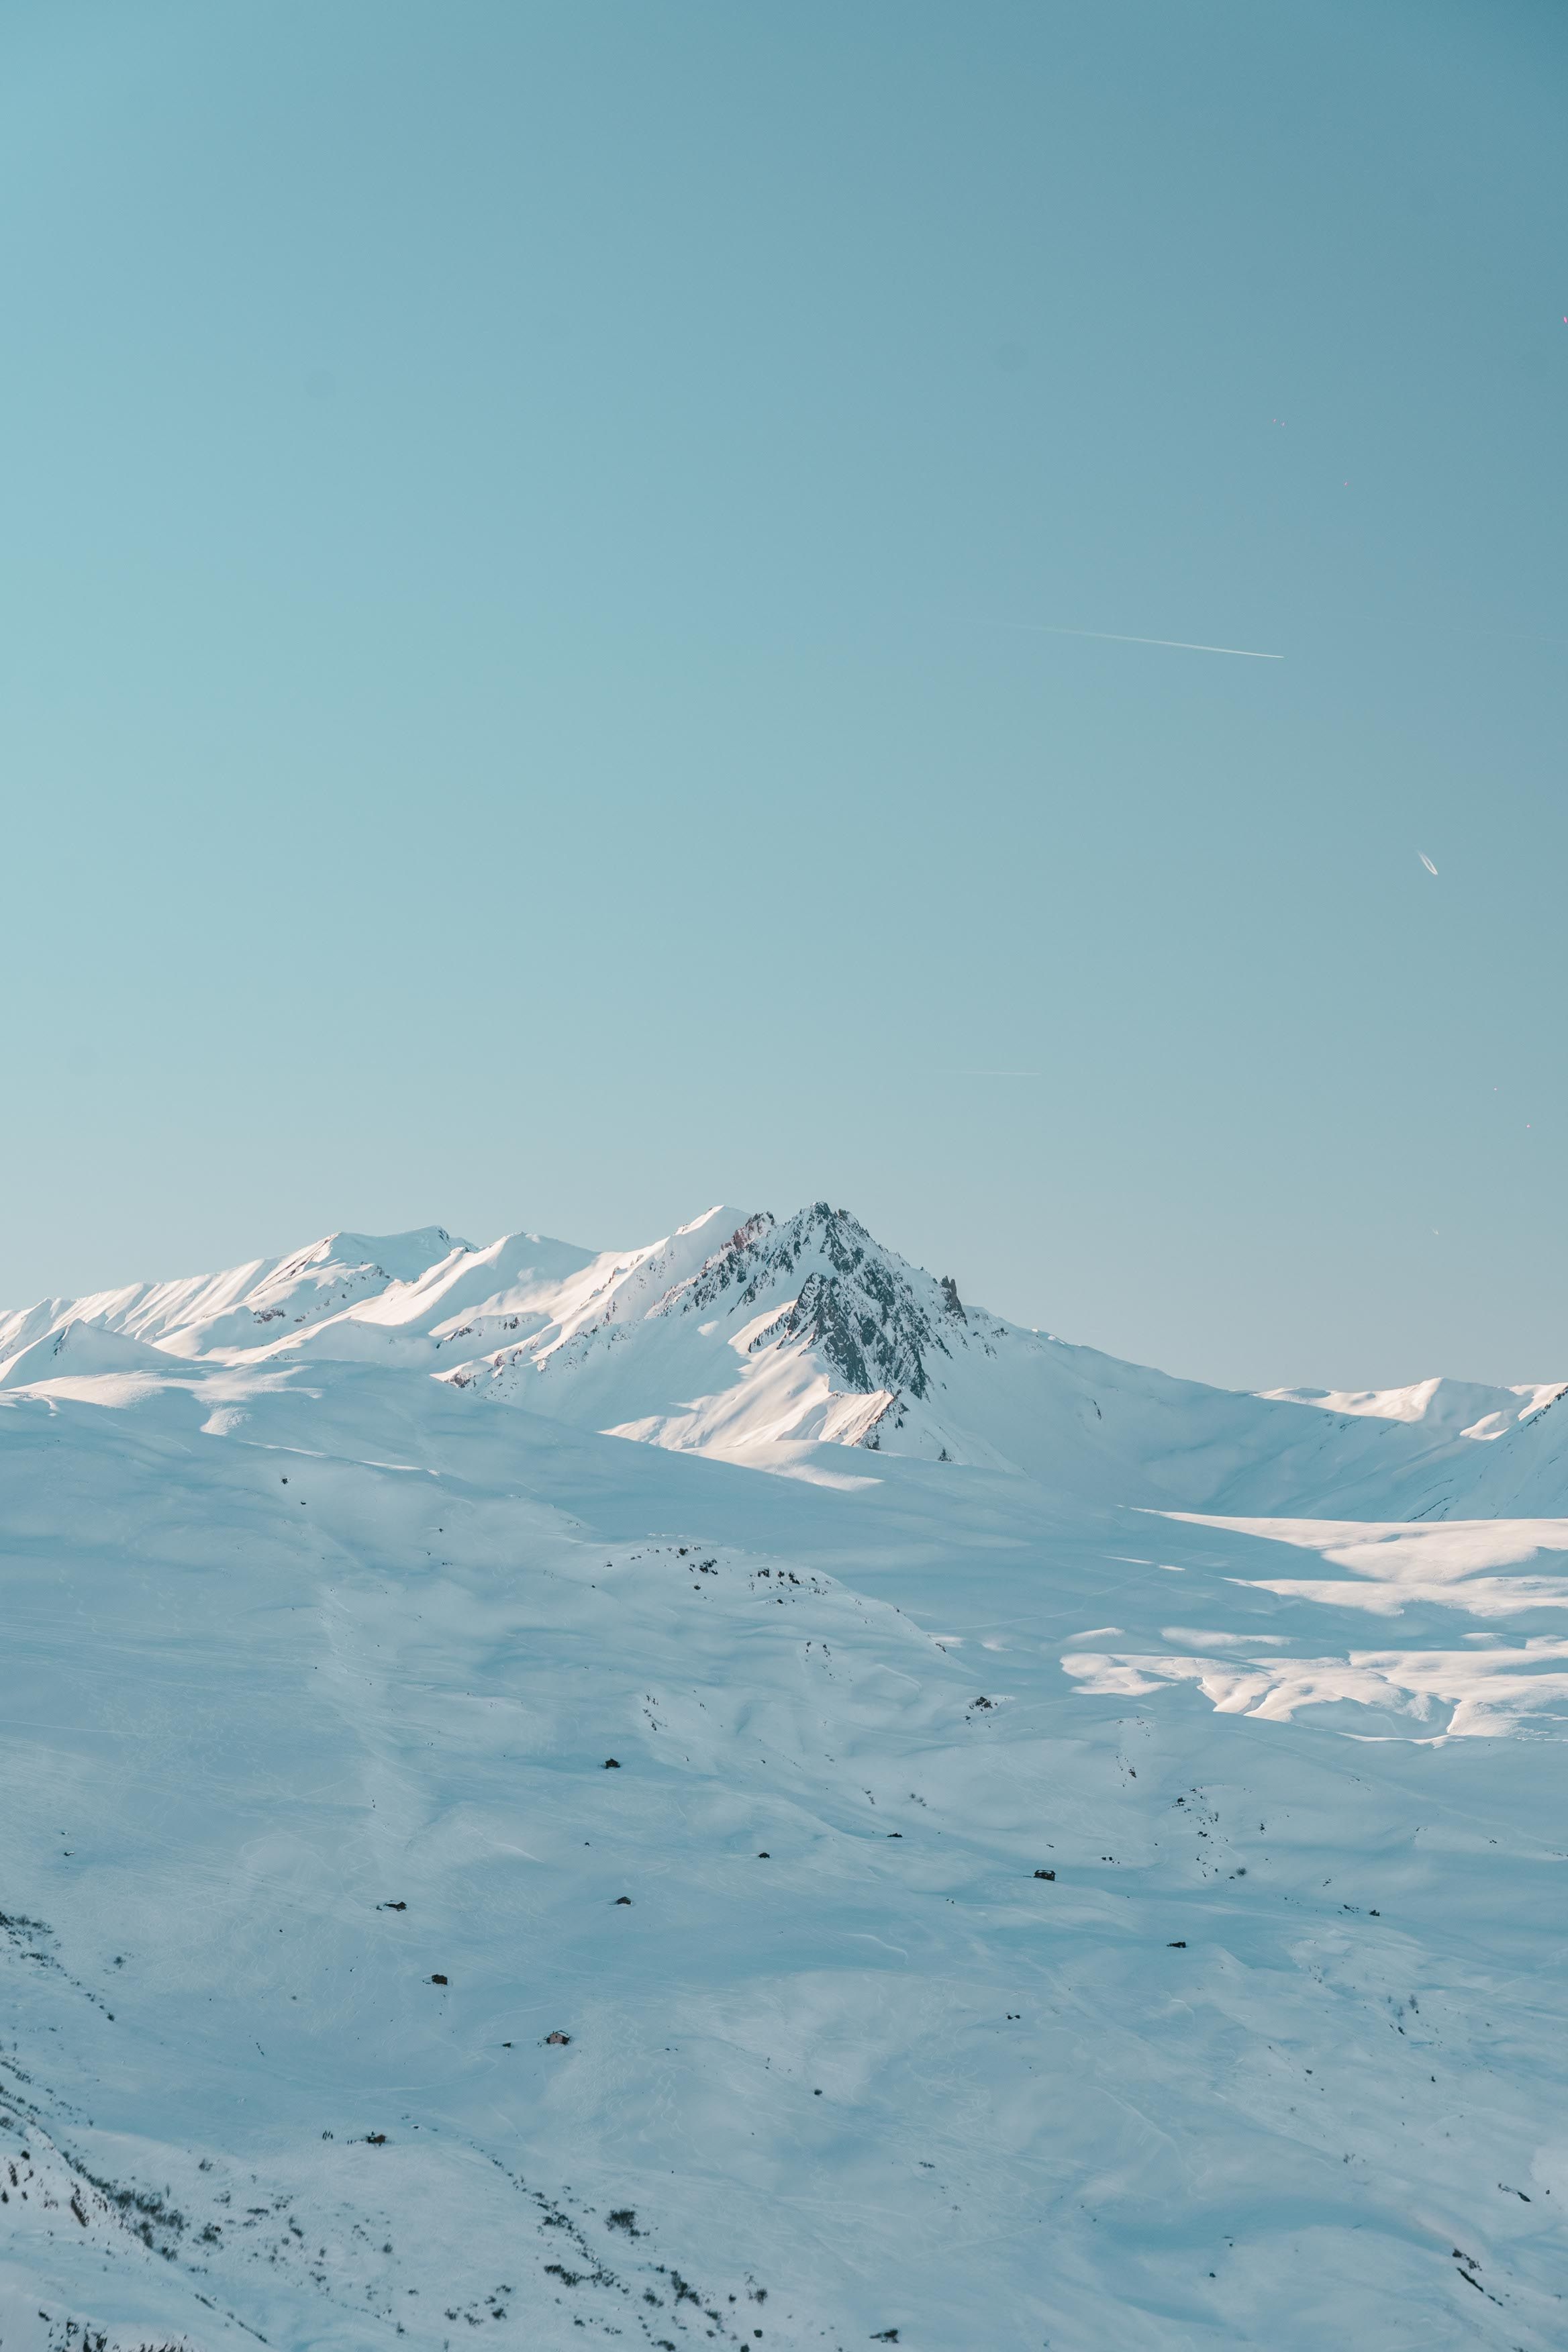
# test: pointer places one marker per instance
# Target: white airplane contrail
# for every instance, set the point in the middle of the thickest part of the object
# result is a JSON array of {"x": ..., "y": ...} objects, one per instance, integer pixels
[
  {"x": 1114, "y": 637},
  {"x": 1426, "y": 861}
]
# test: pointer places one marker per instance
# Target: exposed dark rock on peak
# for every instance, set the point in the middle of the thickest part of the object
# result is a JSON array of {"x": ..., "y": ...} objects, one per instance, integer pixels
[
  {"x": 871, "y": 1334},
  {"x": 856, "y": 1303}
]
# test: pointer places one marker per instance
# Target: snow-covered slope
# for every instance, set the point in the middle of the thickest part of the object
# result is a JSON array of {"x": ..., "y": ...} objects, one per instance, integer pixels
[
  {"x": 249, "y": 1306},
  {"x": 461, "y": 1871}
]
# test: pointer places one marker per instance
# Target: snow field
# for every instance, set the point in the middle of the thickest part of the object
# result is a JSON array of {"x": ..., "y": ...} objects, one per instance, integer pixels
[{"x": 1273, "y": 2055}]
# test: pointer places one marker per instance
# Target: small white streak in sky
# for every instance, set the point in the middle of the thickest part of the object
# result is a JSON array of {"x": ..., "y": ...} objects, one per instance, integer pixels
[
  {"x": 1426, "y": 861},
  {"x": 1114, "y": 637},
  {"x": 991, "y": 1073}
]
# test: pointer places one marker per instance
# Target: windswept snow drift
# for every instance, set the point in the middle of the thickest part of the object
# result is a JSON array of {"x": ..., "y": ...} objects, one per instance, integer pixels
[{"x": 1088, "y": 1842}]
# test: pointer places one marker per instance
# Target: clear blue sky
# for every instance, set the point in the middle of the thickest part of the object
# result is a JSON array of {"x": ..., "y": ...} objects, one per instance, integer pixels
[{"x": 517, "y": 525}]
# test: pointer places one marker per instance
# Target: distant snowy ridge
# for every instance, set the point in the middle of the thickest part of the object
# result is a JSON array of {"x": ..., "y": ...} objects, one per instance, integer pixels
[
  {"x": 1463, "y": 1408},
  {"x": 739, "y": 1333},
  {"x": 242, "y": 1307}
]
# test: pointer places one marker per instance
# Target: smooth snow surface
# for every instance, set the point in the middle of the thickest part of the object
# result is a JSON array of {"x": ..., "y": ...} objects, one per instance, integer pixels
[{"x": 330, "y": 1591}]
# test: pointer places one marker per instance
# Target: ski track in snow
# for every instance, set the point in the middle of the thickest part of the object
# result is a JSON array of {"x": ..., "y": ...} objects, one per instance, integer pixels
[{"x": 324, "y": 1593}]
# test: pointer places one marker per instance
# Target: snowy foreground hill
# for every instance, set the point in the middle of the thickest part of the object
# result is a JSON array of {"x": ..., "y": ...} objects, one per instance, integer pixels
[{"x": 720, "y": 1793}]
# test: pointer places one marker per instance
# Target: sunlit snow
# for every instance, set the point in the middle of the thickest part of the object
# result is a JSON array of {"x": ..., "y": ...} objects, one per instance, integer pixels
[{"x": 776, "y": 1875}]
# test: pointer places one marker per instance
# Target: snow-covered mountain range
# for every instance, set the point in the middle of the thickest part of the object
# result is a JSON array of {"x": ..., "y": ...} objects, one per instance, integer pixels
[
  {"x": 741, "y": 1332},
  {"x": 722, "y": 1792}
]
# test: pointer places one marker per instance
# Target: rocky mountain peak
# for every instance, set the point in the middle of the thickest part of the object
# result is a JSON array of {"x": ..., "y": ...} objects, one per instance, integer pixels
[{"x": 853, "y": 1299}]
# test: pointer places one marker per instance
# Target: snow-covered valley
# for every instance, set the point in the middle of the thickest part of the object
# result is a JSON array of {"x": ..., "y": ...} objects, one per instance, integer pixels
[{"x": 719, "y": 1793}]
